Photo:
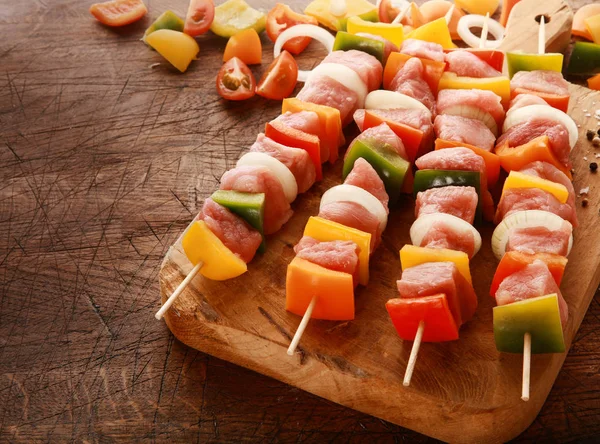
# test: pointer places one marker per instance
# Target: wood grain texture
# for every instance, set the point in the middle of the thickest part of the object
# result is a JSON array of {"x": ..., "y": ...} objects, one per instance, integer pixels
[{"x": 103, "y": 162}]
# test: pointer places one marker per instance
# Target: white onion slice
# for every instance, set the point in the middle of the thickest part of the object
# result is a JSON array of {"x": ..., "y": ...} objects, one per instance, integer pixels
[
  {"x": 352, "y": 193},
  {"x": 473, "y": 112},
  {"x": 521, "y": 115},
  {"x": 469, "y": 21},
  {"x": 421, "y": 226},
  {"x": 525, "y": 219},
  {"x": 383, "y": 99},
  {"x": 283, "y": 174},
  {"x": 312, "y": 31},
  {"x": 344, "y": 75}
]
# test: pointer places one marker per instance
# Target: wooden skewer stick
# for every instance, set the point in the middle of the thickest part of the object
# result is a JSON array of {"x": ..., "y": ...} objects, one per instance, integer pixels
[
  {"x": 401, "y": 15},
  {"x": 303, "y": 323},
  {"x": 526, "y": 366},
  {"x": 412, "y": 360},
  {"x": 160, "y": 313},
  {"x": 484, "y": 31},
  {"x": 448, "y": 16},
  {"x": 542, "y": 36}
]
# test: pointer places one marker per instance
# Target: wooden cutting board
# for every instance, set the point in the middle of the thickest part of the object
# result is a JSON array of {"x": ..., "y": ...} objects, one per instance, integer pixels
[{"x": 463, "y": 391}]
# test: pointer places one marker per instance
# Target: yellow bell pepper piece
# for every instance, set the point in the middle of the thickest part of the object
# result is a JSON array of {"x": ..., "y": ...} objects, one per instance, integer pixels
[
  {"x": 411, "y": 256},
  {"x": 320, "y": 9},
  {"x": 516, "y": 179},
  {"x": 592, "y": 24},
  {"x": 517, "y": 61},
  {"x": 436, "y": 31},
  {"x": 178, "y": 48},
  {"x": 201, "y": 245},
  {"x": 392, "y": 32},
  {"x": 325, "y": 231},
  {"x": 499, "y": 85}
]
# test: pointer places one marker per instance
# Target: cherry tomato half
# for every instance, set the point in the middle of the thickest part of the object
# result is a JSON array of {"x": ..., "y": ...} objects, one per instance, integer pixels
[
  {"x": 246, "y": 46},
  {"x": 119, "y": 12},
  {"x": 235, "y": 81},
  {"x": 280, "y": 18},
  {"x": 280, "y": 79},
  {"x": 199, "y": 17}
]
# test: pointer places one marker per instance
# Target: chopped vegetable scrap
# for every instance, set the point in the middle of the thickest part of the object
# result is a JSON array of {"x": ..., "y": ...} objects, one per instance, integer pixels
[{"x": 119, "y": 12}]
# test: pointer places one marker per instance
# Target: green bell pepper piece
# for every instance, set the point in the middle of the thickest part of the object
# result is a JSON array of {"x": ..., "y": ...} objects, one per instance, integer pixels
[
  {"x": 585, "y": 59},
  {"x": 390, "y": 166},
  {"x": 249, "y": 206},
  {"x": 167, "y": 20},
  {"x": 518, "y": 61},
  {"x": 540, "y": 317},
  {"x": 371, "y": 16},
  {"x": 426, "y": 179},
  {"x": 345, "y": 41},
  {"x": 234, "y": 16}
]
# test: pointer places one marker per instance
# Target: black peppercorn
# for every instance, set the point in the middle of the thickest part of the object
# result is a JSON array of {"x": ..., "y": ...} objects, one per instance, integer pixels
[
  {"x": 593, "y": 167},
  {"x": 584, "y": 202},
  {"x": 589, "y": 134}
]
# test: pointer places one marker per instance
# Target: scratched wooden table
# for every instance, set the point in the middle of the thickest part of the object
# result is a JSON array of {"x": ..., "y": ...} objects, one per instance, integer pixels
[{"x": 103, "y": 161}]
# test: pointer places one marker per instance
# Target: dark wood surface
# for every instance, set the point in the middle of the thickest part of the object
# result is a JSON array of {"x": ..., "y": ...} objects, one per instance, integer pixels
[{"x": 103, "y": 161}]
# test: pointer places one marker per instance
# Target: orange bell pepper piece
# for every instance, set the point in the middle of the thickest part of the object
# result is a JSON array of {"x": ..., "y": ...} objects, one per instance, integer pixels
[
  {"x": 331, "y": 123},
  {"x": 411, "y": 137},
  {"x": 492, "y": 161},
  {"x": 334, "y": 291},
  {"x": 594, "y": 82},
  {"x": 246, "y": 46},
  {"x": 537, "y": 149},
  {"x": 514, "y": 261},
  {"x": 554, "y": 100},
  {"x": 432, "y": 72}
]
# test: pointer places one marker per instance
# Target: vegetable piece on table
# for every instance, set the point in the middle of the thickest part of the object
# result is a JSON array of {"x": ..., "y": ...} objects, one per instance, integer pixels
[
  {"x": 516, "y": 158},
  {"x": 592, "y": 25},
  {"x": 234, "y": 16},
  {"x": 392, "y": 32},
  {"x": 322, "y": 11},
  {"x": 434, "y": 9},
  {"x": 539, "y": 317},
  {"x": 178, "y": 48},
  {"x": 325, "y": 230},
  {"x": 411, "y": 256},
  {"x": 492, "y": 161},
  {"x": 433, "y": 70},
  {"x": 279, "y": 81},
  {"x": 585, "y": 59},
  {"x": 436, "y": 31},
  {"x": 586, "y": 11},
  {"x": 118, "y": 12},
  {"x": 594, "y": 82},
  {"x": 333, "y": 291},
  {"x": 514, "y": 261},
  {"x": 481, "y": 7},
  {"x": 282, "y": 17},
  {"x": 517, "y": 179},
  {"x": 249, "y": 206},
  {"x": 433, "y": 311},
  {"x": 329, "y": 118},
  {"x": 390, "y": 166},
  {"x": 517, "y": 61},
  {"x": 219, "y": 262},
  {"x": 507, "y": 6},
  {"x": 235, "y": 81},
  {"x": 246, "y": 46},
  {"x": 199, "y": 17},
  {"x": 498, "y": 85},
  {"x": 345, "y": 41},
  {"x": 167, "y": 20}
]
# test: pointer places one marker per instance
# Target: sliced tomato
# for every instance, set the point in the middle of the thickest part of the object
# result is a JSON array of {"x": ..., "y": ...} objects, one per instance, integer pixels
[
  {"x": 199, "y": 17},
  {"x": 235, "y": 81},
  {"x": 119, "y": 12},
  {"x": 246, "y": 46},
  {"x": 280, "y": 18},
  {"x": 280, "y": 79},
  {"x": 387, "y": 12}
]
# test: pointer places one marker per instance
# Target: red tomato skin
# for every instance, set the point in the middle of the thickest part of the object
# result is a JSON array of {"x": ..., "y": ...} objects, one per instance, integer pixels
[
  {"x": 199, "y": 17},
  {"x": 282, "y": 17},
  {"x": 119, "y": 12},
  {"x": 279, "y": 81},
  {"x": 234, "y": 71}
]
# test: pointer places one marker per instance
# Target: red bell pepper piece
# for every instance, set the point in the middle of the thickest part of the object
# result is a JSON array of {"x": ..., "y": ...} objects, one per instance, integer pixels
[
  {"x": 554, "y": 100},
  {"x": 492, "y": 57},
  {"x": 433, "y": 311}
]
